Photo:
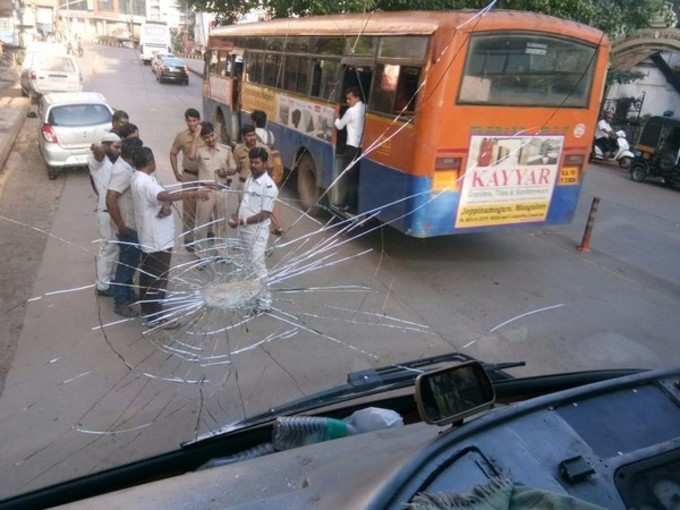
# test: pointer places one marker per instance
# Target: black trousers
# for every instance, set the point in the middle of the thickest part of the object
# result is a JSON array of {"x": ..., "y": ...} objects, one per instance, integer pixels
[
  {"x": 348, "y": 186},
  {"x": 605, "y": 144},
  {"x": 153, "y": 280}
]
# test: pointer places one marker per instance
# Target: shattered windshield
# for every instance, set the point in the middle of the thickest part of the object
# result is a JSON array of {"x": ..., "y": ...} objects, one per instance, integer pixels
[{"x": 170, "y": 278}]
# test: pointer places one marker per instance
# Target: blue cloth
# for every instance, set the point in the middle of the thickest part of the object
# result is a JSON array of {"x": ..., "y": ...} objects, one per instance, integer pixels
[{"x": 128, "y": 260}]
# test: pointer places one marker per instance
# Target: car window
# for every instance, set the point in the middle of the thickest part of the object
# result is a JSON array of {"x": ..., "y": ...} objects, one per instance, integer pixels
[
  {"x": 79, "y": 115},
  {"x": 63, "y": 64},
  {"x": 173, "y": 62}
]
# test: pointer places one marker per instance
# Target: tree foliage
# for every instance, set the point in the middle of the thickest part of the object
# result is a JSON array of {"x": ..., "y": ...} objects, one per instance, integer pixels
[{"x": 615, "y": 17}]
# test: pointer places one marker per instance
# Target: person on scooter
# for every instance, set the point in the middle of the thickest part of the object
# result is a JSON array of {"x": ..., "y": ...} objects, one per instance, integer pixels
[{"x": 604, "y": 135}]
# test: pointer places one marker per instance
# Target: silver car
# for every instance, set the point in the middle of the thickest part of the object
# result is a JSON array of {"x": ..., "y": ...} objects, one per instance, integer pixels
[{"x": 71, "y": 123}]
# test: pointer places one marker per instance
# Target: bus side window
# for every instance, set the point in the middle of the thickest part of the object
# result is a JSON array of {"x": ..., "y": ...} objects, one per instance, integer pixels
[
  {"x": 325, "y": 79},
  {"x": 296, "y": 74},
  {"x": 407, "y": 89},
  {"x": 395, "y": 88},
  {"x": 254, "y": 67},
  {"x": 272, "y": 74}
]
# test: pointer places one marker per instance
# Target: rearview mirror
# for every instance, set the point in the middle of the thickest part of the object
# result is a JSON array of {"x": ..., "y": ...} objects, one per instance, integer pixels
[{"x": 452, "y": 393}]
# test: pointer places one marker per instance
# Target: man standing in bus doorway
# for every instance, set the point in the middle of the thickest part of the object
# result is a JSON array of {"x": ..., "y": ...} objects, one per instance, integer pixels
[
  {"x": 215, "y": 164},
  {"x": 183, "y": 143},
  {"x": 353, "y": 121},
  {"x": 253, "y": 221}
]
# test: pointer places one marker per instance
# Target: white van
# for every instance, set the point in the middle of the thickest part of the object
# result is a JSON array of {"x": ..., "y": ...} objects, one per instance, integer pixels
[{"x": 154, "y": 37}]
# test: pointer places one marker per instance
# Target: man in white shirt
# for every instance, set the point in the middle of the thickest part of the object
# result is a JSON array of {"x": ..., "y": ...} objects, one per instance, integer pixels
[
  {"x": 254, "y": 218},
  {"x": 121, "y": 209},
  {"x": 100, "y": 163},
  {"x": 263, "y": 134},
  {"x": 353, "y": 121},
  {"x": 156, "y": 231},
  {"x": 604, "y": 134}
]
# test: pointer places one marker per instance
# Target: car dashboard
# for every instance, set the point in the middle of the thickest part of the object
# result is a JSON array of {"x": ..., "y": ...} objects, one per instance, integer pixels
[{"x": 615, "y": 444}]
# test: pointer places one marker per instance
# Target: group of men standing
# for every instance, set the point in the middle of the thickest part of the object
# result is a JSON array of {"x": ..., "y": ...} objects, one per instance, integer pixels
[{"x": 220, "y": 187}]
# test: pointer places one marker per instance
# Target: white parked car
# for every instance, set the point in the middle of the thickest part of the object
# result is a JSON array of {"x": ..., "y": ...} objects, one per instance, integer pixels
[
  {"x": 38, "y": 51},
  {"x": 53, "y": 73},
  {"x": 70, "y": 124}
]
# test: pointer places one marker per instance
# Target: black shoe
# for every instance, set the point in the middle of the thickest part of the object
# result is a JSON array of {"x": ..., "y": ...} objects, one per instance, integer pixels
[
  {"x": 190, "y": 248},
  {"x": 125, "y": 311},
  {"x": 104, "y": 293}
]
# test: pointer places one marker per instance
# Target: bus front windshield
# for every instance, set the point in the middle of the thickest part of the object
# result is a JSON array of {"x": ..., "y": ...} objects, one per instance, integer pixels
[{"x": 527, "y": 70}]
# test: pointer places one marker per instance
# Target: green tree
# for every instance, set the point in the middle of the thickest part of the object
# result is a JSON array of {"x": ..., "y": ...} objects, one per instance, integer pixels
[
  {"x": 228, "y": 11},
  {"x": 615, "y": 17}
]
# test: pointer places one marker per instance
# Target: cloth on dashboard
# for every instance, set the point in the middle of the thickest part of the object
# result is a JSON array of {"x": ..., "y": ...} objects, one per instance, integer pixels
[{"x": 499, "y": 494}]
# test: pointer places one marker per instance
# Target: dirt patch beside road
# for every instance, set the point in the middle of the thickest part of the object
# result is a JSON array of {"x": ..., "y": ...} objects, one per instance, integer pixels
[{"x": 28, "y": 197}]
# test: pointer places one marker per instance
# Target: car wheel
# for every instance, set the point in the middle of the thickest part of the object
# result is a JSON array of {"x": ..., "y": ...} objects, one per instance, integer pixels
[
  {"x": 638, "y": 172},
  {"x": 625, "y": 162},
  {"x": 52, "y": 172},
  {"x": 307, "y": 184}
]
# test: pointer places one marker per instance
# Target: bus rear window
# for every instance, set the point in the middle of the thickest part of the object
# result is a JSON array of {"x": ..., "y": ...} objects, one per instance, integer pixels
[{"x": 527, "y": 70}]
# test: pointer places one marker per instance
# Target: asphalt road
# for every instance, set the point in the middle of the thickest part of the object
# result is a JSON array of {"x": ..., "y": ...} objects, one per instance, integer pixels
[{"x": 79, "y": 398}]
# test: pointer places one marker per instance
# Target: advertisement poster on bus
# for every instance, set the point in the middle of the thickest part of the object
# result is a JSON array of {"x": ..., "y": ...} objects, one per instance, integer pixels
[
  {"x": 220, "y": 90},
  {"x": 258, "y": 98},
  {"x": 508, "y": 179},
  {"x": 310, "y": 118}
]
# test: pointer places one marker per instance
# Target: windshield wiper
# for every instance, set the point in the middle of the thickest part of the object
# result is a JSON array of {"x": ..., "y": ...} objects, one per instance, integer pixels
[{"x": 365, "y": 383}]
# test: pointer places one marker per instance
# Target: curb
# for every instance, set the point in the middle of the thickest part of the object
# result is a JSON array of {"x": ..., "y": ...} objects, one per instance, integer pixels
[
  {"x": 192, "y": 70},
  {"x": 10, "y": 136}
]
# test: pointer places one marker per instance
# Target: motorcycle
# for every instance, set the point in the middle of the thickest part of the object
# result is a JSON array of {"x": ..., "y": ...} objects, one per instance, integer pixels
[{"x": 621, "y": 155}]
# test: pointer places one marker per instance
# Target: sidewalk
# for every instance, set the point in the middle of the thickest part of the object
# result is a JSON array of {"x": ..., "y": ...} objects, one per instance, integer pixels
[
  {"x": 13, "y": 107},
  {"x": 195, "y": 65}
]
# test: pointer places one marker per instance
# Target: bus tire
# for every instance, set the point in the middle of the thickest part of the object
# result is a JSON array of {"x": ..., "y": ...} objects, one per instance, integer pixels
[{"x": 308, "y": 187}]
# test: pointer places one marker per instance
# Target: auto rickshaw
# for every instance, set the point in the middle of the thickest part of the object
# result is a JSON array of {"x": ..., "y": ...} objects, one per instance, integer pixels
[{"x": 657, "y": 152}]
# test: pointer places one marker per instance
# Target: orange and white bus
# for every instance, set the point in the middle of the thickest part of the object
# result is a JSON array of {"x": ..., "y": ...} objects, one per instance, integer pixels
[{"x": 473, "y": 122}]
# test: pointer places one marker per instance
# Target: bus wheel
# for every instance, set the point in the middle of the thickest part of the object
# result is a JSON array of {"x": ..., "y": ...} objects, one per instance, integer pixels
[{"x": 307, "y": 185}]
